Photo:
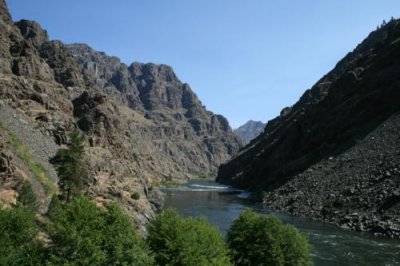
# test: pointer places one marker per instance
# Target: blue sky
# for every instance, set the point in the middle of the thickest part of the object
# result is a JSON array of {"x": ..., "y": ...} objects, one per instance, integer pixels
[{"x": 244, "y": 59}]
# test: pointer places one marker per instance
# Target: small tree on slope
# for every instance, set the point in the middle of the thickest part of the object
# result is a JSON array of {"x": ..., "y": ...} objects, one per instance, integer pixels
[{"x": 70, "y": 166}]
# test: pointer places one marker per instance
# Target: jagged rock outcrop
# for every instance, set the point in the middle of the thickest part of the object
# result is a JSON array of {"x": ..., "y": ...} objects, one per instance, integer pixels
[
  {"x": 143, "y": 125},
  {"x": 174, "y": 121},
  {"x": 333, "y": 120},
  {"x": 249, "y": 130}
]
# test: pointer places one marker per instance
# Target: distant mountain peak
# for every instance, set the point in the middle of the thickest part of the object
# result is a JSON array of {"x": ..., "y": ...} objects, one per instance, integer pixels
[{"x": 249, "y": 130}]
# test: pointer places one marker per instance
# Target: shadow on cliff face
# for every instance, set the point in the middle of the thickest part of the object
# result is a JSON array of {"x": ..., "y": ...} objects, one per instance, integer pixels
[{"x": 357, "y": 96}]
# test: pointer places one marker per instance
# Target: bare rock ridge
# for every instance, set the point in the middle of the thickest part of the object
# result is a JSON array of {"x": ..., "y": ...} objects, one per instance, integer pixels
[
  {"x": 143, "y": 125},
  {"x": 181, "y": 129},
  {"x": 249, "y": 130},
  {"x": 334, "y": 155}
]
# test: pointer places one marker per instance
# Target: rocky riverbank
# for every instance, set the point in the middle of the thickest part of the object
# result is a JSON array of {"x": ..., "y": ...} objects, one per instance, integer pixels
[{"x": 357, "y": 189}]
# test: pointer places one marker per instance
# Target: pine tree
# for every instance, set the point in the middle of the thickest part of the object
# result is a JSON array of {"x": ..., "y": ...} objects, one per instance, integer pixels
[{"x": 70, "y": 166}]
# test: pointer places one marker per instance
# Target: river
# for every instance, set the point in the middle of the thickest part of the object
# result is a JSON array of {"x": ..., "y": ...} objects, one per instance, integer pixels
[{"x": 331, "y": 245}]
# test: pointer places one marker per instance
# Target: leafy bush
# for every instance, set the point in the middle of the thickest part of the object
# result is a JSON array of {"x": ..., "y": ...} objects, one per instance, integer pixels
[
  {"x": 18, "y": 244},
  {"x": 186, "y": 241},
  {"x": 262, "y": 240},
  {"x": 83, "y": 234}
]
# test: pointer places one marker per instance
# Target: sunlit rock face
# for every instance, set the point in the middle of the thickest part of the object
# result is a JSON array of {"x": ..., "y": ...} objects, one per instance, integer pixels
[{"x": 142, "y": 124}]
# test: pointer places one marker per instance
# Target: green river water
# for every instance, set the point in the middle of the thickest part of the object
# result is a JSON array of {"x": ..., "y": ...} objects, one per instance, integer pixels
[{"x": 331, "y": 245}]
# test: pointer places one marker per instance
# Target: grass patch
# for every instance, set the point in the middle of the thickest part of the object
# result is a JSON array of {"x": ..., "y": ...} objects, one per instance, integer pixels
[
  {"x": 167, "y": 184},
  {"x": 34, "y": 166},
  {"x": 200, "y": 175}
]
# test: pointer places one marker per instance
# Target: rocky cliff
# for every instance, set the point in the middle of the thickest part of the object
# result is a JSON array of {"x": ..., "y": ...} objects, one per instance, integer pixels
[
  {"x": 142, "y": 125},
  {"x": 249, "y": 130},
  {"x": 334, "y": 155},
  {"x": 174, "y": 124}
]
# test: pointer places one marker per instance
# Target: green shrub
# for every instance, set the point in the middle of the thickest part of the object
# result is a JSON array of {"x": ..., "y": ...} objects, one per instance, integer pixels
[
  {"x": 26, "y": 197},
  {"x": 83, "y": 234},
  {"x": 262, "y": 240},
  {"x": 18, "y": 232},
  {"x": 186, "y": 241},
  {"x": 135, "y": 195}
]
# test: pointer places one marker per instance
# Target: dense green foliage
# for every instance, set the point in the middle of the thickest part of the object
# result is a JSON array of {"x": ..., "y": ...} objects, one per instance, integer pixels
[
  {"x": 18, "y": 244},
  {"x": 80, "y": 233},
  {"x": 83, "y": 234},
  {"x": 262, "y": 240},
  {"x": 186, "y": 241},
  {"x": 71, "y": 168}
]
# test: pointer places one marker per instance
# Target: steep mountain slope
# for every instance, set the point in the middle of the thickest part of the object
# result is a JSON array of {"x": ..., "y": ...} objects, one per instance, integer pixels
[
  {"x": 143, "y": 126},
  {"x": 249, "y": 130},
  {"x": 322, "y": 143},
  {"x": 182, "y": 130}
]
